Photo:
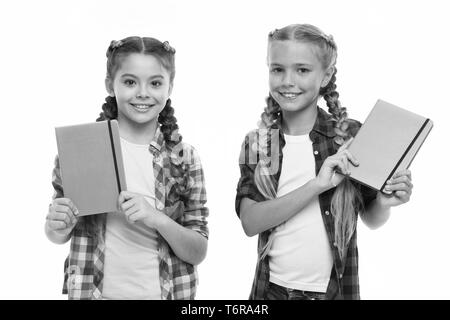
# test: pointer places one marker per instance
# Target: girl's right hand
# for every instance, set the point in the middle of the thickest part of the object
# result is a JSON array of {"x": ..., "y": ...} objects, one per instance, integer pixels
[
  {"x": 327, "y": 177},
  {"x": 62, "y": 216}
]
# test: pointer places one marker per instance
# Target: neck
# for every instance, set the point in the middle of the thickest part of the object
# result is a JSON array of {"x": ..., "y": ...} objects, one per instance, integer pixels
[
  {"x": 137, "y": 133},
  {"x": 300, "y": 122}
]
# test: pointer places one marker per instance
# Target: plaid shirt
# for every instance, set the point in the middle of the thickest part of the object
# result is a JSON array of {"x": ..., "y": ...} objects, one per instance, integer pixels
[
  {"x": 344, "y": 282},
  {"x": 83, "y": 276}
]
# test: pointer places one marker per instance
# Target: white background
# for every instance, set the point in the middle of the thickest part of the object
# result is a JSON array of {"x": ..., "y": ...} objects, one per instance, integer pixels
[{"x": 52, "y": 71}]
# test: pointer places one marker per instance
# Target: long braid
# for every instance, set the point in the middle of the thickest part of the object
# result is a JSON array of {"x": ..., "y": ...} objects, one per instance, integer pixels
[
  {"x": 109, "y": 109},
  {"x": 179, "y": 173},
  {"x": 263, "y": 181},
  {"x": 347, "y": 200},
  {"x": 338, "y": 112},
  {"x": 271, "y": 114},
  {"x": 169, "y": 126}
]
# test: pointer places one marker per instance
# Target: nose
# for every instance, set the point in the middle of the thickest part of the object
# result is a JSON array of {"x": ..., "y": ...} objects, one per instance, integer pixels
[
  {"x": 288, "y": 78},
  {"x": 142, "y": 93}
]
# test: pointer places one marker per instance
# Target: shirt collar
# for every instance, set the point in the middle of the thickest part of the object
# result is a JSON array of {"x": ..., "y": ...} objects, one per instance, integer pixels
[
  {"x": 324, "y": 124},
  {"x": 157, "y": 141}
]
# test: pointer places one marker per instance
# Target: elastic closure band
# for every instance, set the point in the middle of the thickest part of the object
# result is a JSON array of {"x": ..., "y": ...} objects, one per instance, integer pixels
[
  {"x": 406, "y": 152},
  {"x": 114, "y": 156}
]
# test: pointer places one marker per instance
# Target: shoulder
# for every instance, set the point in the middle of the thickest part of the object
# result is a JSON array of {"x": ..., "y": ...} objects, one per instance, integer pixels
[
  {"x": 353, "y": 126},
  {"x": 260, "y": 135},
  {"x": 187, "y": 147},
  {"x": 187, "y": 154},
  {"x": 325, "y": 118}
]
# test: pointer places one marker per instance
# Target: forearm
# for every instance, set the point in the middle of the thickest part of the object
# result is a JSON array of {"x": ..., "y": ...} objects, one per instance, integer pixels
[
  {"x": 257, "y": 217},
  {"x": 376, "y": 214},
  {"x": 187, "y": 244},
  {"x": 58, "y": 237}
]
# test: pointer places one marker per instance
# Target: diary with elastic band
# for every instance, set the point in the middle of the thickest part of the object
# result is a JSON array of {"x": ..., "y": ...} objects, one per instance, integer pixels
[
  {"x": 91, "y": 164},
  {"x": 386, "y": 143}
]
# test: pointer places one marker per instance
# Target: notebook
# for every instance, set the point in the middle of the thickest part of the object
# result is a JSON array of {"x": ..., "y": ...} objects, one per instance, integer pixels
[
  {"x": 386, "y": 143},
  {"x": 91, "y": 165}
]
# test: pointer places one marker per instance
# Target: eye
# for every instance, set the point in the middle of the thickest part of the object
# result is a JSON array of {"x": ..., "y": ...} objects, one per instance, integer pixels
[
  {"x": 276, "y": 70},
  {"x": 156, "y": 83},
  {"x": 303, "y": 70},
  {"x": 129, "y": 82}
]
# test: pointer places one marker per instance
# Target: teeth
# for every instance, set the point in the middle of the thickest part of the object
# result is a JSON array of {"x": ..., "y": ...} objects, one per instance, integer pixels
[
  {"x": 290, "y": 95},
  {"x": 141, "y": 106}
]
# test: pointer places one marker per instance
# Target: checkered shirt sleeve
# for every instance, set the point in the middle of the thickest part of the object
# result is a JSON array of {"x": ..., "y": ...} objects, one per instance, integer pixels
[
  {"x": 195, "y": 211},
  {"x": 246, "y": 187}
]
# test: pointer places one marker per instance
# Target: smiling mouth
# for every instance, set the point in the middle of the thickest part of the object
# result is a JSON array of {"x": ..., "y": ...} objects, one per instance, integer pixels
[
  {"x": 142, "y": 107},
  {"x": 290, "y": 95}
]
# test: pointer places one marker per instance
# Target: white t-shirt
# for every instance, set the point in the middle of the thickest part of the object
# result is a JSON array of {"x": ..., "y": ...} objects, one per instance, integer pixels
[
  {"x": 131, "y": 269},
  {"x": 300, "y": 257}
]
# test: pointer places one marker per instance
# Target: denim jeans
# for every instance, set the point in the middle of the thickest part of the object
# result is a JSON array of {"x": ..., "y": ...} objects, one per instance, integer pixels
[{"x": 276, "y": 292}]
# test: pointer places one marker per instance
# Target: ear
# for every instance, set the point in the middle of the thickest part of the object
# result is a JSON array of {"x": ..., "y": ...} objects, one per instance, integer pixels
[
  {"x": 327, "y": 77},
  {"x": 170, "y": 89},
  {"x": 109, "y": 87}
]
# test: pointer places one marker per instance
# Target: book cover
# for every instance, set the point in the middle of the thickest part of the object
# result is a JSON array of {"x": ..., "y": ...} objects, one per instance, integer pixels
[
  {"x": 92, "y": 171},
  {"x": 386, "y": 143}
]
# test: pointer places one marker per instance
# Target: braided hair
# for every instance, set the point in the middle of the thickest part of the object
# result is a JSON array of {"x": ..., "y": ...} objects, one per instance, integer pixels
[
  {"x": 346, "y": 201},
  {"x": 165, "y": 54}
]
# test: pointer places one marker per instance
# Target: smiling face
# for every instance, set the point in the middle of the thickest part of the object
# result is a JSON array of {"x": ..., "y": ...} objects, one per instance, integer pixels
[
  {"x": 296, "y": 74},
  {"x": 141, "y": 86}
]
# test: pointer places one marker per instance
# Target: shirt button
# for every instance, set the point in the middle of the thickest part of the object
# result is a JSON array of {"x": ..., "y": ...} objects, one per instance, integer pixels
[
  {"x": 340, "y": 276},
  {"x": 327, "y": 212},
  {"x": 316, "y": 152},
  {"x": 335, "y": 244}
]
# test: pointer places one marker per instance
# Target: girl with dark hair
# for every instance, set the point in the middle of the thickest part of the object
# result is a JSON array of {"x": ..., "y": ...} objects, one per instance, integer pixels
[
  {"x": 289, "y": 193},
  {"x": 150, "y": 247}
]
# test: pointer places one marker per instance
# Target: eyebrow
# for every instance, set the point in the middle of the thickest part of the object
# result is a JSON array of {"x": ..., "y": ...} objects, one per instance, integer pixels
[
  {"x": 295, "y": 64},
  {"x": 157, "y": 76}
]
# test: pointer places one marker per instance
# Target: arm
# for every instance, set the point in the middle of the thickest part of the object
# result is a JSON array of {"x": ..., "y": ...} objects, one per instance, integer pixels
[
  {"x": 378, "y": 211},
  {"x": 376, "y": 214},
  {"x": 188, "y": 239},
  {"x": 188, "y": 245},
  {"x": 257, "y": 217}
]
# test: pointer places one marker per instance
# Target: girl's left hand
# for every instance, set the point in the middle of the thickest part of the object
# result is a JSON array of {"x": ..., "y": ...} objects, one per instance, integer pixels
[
  {"x": 401, "y": 187},
  {"x": 136, "y": 208}
]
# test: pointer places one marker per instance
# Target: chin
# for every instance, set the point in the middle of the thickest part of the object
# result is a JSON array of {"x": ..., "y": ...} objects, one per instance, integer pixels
[
  {"x": 292, "y": 107},
  {"x": 142, "y": 118},
  {"x": 145, "y": 120},
  {"x": 297, "y": 106}
]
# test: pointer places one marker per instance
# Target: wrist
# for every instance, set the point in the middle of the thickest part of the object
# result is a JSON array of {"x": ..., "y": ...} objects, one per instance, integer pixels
[
  {"x": 58, "y": 236},
  {"x": 159, "y": 220},
  {"x": 318, "y": 186},
  {"x": 382, "y": 202}
]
